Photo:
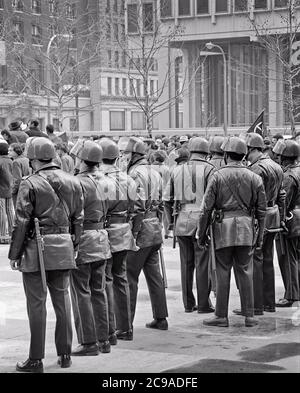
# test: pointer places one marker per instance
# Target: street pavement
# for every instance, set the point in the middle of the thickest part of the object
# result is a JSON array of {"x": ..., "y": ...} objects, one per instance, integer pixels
[{"x": 188, "y": 346}]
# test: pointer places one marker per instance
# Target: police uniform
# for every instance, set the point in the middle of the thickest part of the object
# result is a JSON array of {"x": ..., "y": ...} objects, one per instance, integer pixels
[
  {"x": 185, "y": 190},
  {"x": 263, "y": 268},
  {"x": 237, "y": 194},
  {"x": 89, "y": 299},
  {"x": 120, "y": 209},
  {"x": 55, "y": 199},
  {"x": 147, "y": 229},
  {"x": 288, "y": 247}
]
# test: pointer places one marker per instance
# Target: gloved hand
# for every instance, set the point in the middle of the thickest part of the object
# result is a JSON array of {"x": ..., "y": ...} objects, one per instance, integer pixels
[
  {"x": 15, "y": 264},
  {"x": 202, "y": 243}
]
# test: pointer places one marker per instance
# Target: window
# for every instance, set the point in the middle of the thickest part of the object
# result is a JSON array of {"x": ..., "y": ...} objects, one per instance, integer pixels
[
  {"x": 71, "y": 11},
  {"x": 124, "y": 58},
  {"x": 138, "y": 87},
  {"x": 260, "y": 4},
  {"x": 124, "y": 87},
  {"x": 117, "y": 86},
  {"x": 116, "y": 59},
  {"x": 117, "y": 120},
  {"x": 153, "y": 64},
  {"x": 132, "y": 17},
  {"x": 116, "y": 6},
  {"x": 108, "y": 31},
  {"x": 240, "y": 5},
  {"x": 221, "y": 6},
  {"x": 17, "y": 5},
  {"x": 1, "y": 4},
  {"x": 138, "y": 121},
  {"x": 73, "y": 124},
  {"x": 109, "y": 59},
  {"x": 123, "y": 33},
  {"x": 52, "y": 6},
  {"x": 152, "y": 82},
  {"x": 116, "y": 31},
  {"x": 131, "y": 87},
  {"x": 109, "y": 90},
  {"x": 166, "y": 8},
  {"x": 36, "y": 6},
  {"x": 36, "y": 33},
  {"x": 202, "y": 7},
  {"x": 18, "y": 31},
  {"x": 148, "y": 17},
  {"x": 122, "y": 7},
  {"x": 281, "y": 3},
  {"x": 184, "y": 7}
]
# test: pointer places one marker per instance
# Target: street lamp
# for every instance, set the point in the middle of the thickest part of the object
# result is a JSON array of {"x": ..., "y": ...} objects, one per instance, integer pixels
[
  {"x": 66, "y": 37},
  {"x": 210, "y": 46}
]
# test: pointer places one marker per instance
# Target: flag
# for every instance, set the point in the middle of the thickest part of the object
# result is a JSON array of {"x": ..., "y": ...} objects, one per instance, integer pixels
[{"x": 258, "y": 126}]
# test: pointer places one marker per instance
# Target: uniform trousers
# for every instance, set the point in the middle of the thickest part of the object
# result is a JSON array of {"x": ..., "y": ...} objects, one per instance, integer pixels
[
  {"x": 263, "y": 274},
  {"x": 89, "y": 301},
  {"x": 193, "y": 259},
  {"x": 118, "y": 294},
  {"x": 242, "y": 259},
  {"x": 6, "y": 215},
  {"x": 147, "y": 259},
  {"x": 290, "y": 267},
  {"x": 58, "y": 285}
]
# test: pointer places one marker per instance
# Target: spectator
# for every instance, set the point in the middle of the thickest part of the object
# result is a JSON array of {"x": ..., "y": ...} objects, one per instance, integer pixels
[
  {"x": 183, "y": 156},
  {"x": 51, "y": 135},
  {"x": 8, "y": 137},
  {"x": 20, "y": 167},
  {"x": 6, "y": 182},
  {"x": 67, "y": 162},
  {"x": 15, "y": 129},
  {"x": 34, "y": 130}
]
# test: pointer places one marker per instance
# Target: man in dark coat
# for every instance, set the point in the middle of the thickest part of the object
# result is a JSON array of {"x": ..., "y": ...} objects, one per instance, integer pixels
[
  {"x": 237, "y": 195},
  {"x": 55, "y": 199},
  {"x": 15, "y": 129},
  {"x": 34, "y": 130}
]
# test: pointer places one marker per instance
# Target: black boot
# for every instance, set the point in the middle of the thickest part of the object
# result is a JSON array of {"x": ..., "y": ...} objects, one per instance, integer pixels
[
  {"x": 113, "y": 339},
  {"x": 160, "y": 324},
  {"x": 104, "y": 346},
  {"x": 86, "y": 350},
  {"x": 126, "y": 336},
  {"x": 64, "y": 361},
  {"x": 30, "y": 366}
]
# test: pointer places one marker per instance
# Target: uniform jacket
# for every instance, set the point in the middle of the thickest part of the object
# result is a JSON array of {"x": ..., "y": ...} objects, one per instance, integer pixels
[
  {"x": 291, "y": 184},
  {"x": 94, "y": 244},
  {"x": 163, "y": 170},
  {"x": 20, "y": 169},
  {"x": 146, "y": 222},
  {"x": 217, "y": 161},
  {"x": 67, "y": 164},
  {"x": 55, "y": 198},
  {"x": 237, "y": 226},
  {"x": 121, "y": 200},
  {"x": 185, "y": 191},
  {"x": 6, "y": 177},
  {"x": 272, "y": 177}
]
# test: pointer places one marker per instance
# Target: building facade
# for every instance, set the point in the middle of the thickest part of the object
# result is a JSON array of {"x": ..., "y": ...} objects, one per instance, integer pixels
[{"x": 247, "y": 31}]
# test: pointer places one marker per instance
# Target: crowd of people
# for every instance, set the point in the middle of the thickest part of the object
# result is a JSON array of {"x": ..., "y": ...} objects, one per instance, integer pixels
[{"x": 103, "y": 208}]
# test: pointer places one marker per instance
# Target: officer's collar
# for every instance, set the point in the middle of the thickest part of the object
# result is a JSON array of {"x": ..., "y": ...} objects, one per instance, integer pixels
[
  {"x": 259, "y": 158},
  {"x": 51, "y": 165}
]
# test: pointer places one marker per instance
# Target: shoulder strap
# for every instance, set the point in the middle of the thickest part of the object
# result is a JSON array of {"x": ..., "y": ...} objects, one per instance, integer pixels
[
  {"x": 236, "y": 196},
  {"x": 65, "y": 206}
]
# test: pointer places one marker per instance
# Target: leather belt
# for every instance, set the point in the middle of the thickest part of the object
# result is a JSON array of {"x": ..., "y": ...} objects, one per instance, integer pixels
[
  {"x": 236, "y": 213},
  {"x": 89, "y": 226},
  {"x": 54, "y": 230},
  {"x": 116, "y": 220}
]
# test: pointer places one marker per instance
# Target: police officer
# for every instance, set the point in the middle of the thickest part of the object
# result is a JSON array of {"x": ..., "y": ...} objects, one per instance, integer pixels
[
  {"x": 185, "y": 193},
  {"x": 263, "y": 269},
  {"x": 147, "y": 230},
  {"x": 89, "y": 299},
  {"x": 216, "y": 152},
  {"x": 55, "y": 199},
  {"x": 120, "y": 209},
  {"x": 288, "y": 246},
  {"x": 238, "y": 196}
]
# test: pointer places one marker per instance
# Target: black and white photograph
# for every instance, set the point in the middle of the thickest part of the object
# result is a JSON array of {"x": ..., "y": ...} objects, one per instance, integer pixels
[{"x": 149, "y": 190}]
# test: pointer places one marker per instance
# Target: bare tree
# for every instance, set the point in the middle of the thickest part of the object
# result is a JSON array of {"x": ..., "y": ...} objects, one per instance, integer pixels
[
  {"x": 282, "y": 43},
  {"x": 142, "y": 46}
]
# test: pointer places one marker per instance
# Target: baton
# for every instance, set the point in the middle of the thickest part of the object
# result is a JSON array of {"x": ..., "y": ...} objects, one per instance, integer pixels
[
  {"x": 163, "y": 267},
  {"x": 40, "y": 246},
  {"x": 213, "y": 260}
]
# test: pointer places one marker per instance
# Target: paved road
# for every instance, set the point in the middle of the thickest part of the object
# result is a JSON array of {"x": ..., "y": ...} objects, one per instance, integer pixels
[{"x": 188, "y": 346}]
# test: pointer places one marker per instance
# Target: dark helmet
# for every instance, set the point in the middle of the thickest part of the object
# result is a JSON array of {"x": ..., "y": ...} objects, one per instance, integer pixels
[
  {"x": 109, "y": 148},
  {"x": 198, "y": 145},
  {"x": 292, "y": 149},
  {"x": 235, "y": 145},
  {"x": 215, "y": 144},
  {"x": 40, "y": 149},
  {"x": 91, "y": 152},
  {"x": 135, "y": 145},
  {"x": 254, "y": 140}
]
